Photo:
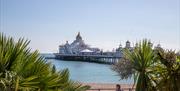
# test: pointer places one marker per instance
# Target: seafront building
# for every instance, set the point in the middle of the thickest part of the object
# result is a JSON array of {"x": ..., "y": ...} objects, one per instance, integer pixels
[
  {"x": 79, "y": 47},
  {"x": 78, "y": 50}
]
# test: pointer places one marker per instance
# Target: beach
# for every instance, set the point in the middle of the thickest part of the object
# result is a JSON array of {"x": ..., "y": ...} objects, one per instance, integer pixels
[{"x": 107, "y": 86}]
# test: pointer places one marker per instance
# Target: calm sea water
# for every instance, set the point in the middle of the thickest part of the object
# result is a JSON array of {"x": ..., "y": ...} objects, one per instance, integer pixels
[{"x": 89, "y": 72}]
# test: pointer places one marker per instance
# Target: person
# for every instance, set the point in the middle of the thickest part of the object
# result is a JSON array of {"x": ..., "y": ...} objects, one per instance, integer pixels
[{"x": 118, "y": 87}]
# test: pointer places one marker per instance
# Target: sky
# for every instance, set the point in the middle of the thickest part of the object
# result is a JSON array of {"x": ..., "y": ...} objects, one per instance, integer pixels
[{"x": 102, "y": 23}]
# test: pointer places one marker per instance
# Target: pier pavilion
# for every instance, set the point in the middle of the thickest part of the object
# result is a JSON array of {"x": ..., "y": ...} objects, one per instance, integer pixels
[{"x": 78, "y": 50}]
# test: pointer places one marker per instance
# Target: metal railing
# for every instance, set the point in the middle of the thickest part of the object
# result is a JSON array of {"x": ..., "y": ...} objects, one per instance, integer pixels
[{"x": 89, "y": 55}]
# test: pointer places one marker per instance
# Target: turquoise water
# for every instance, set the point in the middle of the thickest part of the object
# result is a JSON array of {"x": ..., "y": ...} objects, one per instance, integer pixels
[{"x": 89, "y": 72}]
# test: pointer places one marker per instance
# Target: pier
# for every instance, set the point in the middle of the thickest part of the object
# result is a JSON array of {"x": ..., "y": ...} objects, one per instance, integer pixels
[
  {"x": 78, "y": 50},
  {"x": 105, "y": 59}
]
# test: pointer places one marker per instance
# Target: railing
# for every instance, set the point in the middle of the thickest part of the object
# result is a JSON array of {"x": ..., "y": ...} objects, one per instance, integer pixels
[
  {"x": 93, "y": 55},
  {"x": 111, "y": 89}
]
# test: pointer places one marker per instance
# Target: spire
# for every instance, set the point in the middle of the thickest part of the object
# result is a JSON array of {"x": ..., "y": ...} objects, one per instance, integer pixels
[
  {"x": 128, "y": 44},
  {"x": 67, "y": 42},
  {"x": 136, "y": 45},
  {"x": 78, "y": 37},
  {"x": 120, "y": 46},
  {"x": 159, "y": 45},
  {"x": 79, "y": 33}
]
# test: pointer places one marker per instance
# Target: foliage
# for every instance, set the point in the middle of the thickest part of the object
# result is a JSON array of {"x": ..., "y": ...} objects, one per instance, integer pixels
[
  {"x": 124, "y": 68},
  {"x": 23, "y": 70},
  {"x": 168, "y": 71},
  {"x": 142, "y": 59},
  {"x": 155, "y": 69}
]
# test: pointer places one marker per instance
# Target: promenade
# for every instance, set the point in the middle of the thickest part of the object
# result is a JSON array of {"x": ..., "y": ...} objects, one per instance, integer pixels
[{"x": 108, "y": 86}]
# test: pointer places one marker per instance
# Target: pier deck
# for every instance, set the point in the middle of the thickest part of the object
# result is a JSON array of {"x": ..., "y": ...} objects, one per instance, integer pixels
[
  {"x": 79, "y": 55},
  {"x": 106, "y": 59}
]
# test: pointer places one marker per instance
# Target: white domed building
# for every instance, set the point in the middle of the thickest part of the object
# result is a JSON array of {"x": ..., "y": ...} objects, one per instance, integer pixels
[{"x": 77, "y": 47}]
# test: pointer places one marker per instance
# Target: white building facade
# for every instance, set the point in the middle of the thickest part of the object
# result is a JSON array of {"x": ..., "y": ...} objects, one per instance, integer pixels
[{"x": 77, "y": 47}]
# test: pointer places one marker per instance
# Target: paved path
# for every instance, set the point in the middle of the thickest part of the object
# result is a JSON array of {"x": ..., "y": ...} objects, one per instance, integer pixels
[{"x": 107, "y": 86}]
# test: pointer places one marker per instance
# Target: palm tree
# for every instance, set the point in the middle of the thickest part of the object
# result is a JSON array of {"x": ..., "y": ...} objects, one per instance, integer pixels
[
  {"x": 155, "y": 69},
  {"x": 23, "y": 70},
  {"x": 142, "y": 58}
]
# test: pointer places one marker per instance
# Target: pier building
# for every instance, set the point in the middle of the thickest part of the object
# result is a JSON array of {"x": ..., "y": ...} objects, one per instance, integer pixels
[
  {"x": 80, "y": 51},
  {"x": 78, "y": 46}
]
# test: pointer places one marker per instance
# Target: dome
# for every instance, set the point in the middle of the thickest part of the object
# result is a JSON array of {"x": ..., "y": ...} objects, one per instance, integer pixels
[
  {"x": 127, "y": 41},
  {"x": 128, "y": 44},
  {"x": 78, "y": 37}
]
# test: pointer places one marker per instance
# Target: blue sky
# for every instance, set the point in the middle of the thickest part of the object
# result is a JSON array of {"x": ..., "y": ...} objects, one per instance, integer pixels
[{"x": 102, "y": 23}]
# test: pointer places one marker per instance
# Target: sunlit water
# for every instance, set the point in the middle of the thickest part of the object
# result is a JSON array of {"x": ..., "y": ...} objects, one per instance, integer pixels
[{"x": 89, "y": 72}]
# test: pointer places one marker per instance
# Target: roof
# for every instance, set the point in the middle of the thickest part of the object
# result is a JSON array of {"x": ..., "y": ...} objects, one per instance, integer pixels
[
  {"x": 127, "y": 41},
  {"x": 78, "y": 37},
  {"x": 86, "y": 50}
]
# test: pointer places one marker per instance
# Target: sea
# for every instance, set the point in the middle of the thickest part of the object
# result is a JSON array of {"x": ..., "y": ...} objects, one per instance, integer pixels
[{"x": 88, "y": 72}]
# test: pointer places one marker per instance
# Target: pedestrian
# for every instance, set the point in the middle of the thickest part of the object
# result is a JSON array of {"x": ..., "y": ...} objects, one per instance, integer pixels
[{"x": 118, "y": 87}]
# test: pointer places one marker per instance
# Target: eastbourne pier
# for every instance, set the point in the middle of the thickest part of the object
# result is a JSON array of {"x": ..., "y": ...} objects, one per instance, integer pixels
[{"x": 79, "y": 51}]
